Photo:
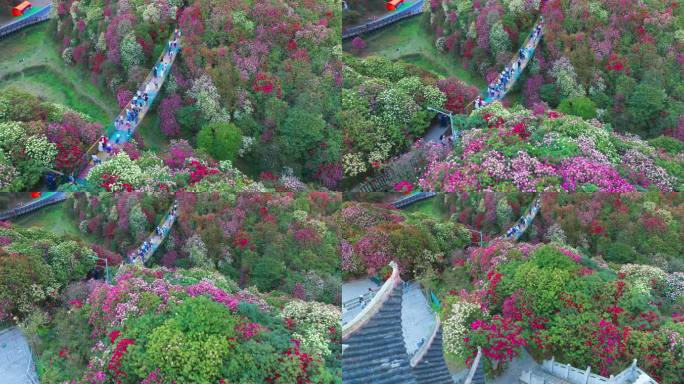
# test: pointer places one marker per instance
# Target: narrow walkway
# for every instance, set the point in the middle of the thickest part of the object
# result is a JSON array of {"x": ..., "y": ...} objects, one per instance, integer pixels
[
  {"x": 145, "y": 251},
  {"x": 352, "y": 291},
  {"x": 506, "y": 80},
  {"x": 417, "y": 319},
  {"x": 125, "y": 124},
  {"x": 39, "y": 11},
  {"x": 409, "y": 9}
]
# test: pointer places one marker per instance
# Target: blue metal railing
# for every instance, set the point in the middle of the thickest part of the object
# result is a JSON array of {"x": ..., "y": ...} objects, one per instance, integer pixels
[
  {"x": 412, "y": 199},
  {"x": 52, "y": 198}
]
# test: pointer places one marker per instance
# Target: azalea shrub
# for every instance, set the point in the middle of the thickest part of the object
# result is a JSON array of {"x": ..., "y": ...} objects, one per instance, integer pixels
[
  {"x": 384, "y": 109},
  {"x": 36, "y": 266},
  {"x": 158, "y": 325},
  {"x": 373, "y": 235},
  {"x": 514, "y": 149},
  {"x": 36, "y": 136},
  {"x": 553, "y": 300}
]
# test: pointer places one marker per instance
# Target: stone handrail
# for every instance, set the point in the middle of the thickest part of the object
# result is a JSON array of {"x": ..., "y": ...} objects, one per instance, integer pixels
[
  {"x": 374, "y": 306},
  {"x": 578, "y": 376},
  {"x": 52, "y": 198},
  {"x": 473, "y": 368},
  {"x": 413, "y": 10},
  {"x": 420, "y": 353},
  {"x": 37, "y": 17}
]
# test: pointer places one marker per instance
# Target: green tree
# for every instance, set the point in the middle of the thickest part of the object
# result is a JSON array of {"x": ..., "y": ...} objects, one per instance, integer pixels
[
  {"x": 301, "y": 132},
  {"x": 645, "y": 104},
  {"x": 221, "y": 140}
]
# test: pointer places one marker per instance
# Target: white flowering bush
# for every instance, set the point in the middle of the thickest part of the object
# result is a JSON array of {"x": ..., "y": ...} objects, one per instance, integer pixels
[
  {"x": 131, "y": 51},
  {"x": 67, "y": 55},
  {"x": 313, "y": 322},
  {"x": 353, "y": 164},
  {"x": 457, "y": 316},
  {"x": 125, "y": 170},
  {"x": 643, "y": 277},
  {"x": 7, "y": 174},
  {"x": 380, "y": 153},
  {"x": 674, "y": 285},
  {"x": 204, "y": 91},
  {"x": 152, "y": 13},
  {"x": 40, "y": 149},
  {"x": 11, "y": 133},
  {"x": 247, "y": 143},
  {"x": 566, "y": 78}
]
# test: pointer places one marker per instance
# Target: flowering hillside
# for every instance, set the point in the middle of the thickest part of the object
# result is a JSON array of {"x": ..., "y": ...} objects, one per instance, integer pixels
[
  {"x": 618, "y": 60},
  {"x": 162, "y": 326},
  {"x": 35, "y": 267},
  {"x": 596, "y": 281},
  {"x": 264, "y": 72},
  {"x": 35, "y": 135},
  {"x": 516, "y": 149},
  {"x": 279, "y": 241}
]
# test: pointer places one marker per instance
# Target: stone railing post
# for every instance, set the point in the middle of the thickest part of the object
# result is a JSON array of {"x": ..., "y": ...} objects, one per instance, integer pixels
[
  {"x": 420, "y": 353},
  {"x": 585, "y": 380}
]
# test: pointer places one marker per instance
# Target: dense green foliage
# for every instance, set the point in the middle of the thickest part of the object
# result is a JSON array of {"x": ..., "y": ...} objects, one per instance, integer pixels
[
  {"x": 35, "y": 266},
  {"x": 159, "y": 326}
]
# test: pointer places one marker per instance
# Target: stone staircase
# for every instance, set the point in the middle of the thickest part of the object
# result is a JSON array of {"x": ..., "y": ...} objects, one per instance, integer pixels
[
  {"x": 376, "y": 352},
  {"x": 432, "y": 368}
]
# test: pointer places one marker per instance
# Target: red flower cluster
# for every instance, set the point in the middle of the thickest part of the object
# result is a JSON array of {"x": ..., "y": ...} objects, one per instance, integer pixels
[
  {"x": 108, "y": 181},
  {"x": 241, "y": 240},
  {"x": 304, "y": 360},
  {"x": 617, "y": 64},
  {"x": 115, "y": 362},
  {"x": 200, "y": 171},
  {"x": 404, "y": 187},
  {"x": 503, "y": 337}
]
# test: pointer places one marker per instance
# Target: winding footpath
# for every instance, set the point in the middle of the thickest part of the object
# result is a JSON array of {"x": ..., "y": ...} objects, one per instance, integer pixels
[
  {"x": 123, "y": 128},
  {"x": 382, "y": 183},
  {"x": 123, "y": 132}
]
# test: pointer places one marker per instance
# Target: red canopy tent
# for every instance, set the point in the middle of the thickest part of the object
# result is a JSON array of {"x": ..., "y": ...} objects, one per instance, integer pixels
[
  {"x": 19, "y": 9},
  {"x": 392, "y": 5}
]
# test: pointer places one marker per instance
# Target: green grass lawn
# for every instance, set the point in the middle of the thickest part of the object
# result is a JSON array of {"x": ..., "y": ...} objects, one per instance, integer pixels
[
  {"x": 408, "y": 41},
  {"x": 31, "y": 61},
  {"x": 53, "y": 218},
  {"x": 428, "y": 207}
]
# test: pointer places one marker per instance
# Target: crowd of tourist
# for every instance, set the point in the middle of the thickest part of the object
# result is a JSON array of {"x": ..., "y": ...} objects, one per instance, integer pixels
[
  {"x": 134, "y": 111},
  {"x": 152, "y": 242},
  {"x": 506, "y": 79}
]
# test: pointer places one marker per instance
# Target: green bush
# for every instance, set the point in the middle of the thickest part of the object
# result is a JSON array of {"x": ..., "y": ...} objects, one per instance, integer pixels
[{"x": 583, "y": 107}]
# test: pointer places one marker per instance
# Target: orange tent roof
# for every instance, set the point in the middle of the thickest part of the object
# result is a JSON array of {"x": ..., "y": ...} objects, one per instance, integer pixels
[
  {"x": 391, "y": 5},
  {"x": 19, "y": 9}
]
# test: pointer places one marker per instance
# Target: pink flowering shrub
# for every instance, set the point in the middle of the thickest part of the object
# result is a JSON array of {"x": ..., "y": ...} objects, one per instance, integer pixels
[{"x": 504, "y": 151}]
